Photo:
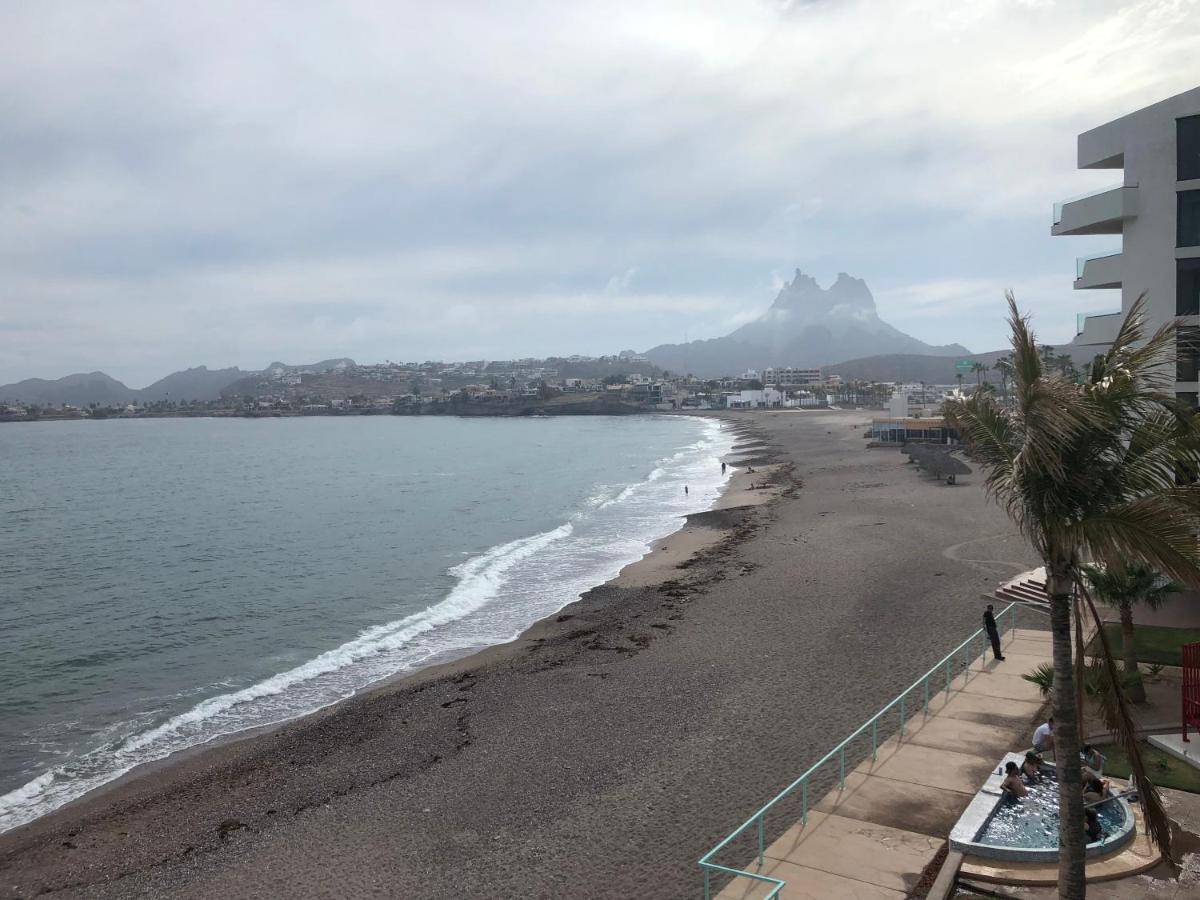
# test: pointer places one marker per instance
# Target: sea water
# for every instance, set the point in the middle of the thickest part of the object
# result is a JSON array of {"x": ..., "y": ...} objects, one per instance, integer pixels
[{"x": 167, "y": 582}]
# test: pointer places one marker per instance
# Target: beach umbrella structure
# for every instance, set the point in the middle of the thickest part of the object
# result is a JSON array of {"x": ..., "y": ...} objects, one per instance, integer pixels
[{"x": 938, "y": 460}]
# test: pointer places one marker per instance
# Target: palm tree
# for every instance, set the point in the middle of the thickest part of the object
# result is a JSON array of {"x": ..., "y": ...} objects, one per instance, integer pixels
[
  {"x": 1097, "y": 471},
  {"x": 1004, "y": 365},
  {"x": 978, "y": 368},
  {"x": 1123, "y": 588},
  {"x": 959, "y": 377}
]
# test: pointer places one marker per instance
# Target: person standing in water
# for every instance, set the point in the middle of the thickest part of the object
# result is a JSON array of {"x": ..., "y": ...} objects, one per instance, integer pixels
[
  {"x": 722, "y": 468},
  {"x": 685, "y": 490}
]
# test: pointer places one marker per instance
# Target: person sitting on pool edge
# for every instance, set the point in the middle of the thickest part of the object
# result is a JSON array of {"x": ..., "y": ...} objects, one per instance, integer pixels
[
  {"x": 1091, "y": 824},
  {"x": 1043, "y": 736},
  {"x": 1032, "y": 767},
  {"x": 1092, "y": 760},
  {"x": 1012, "y": 785}
]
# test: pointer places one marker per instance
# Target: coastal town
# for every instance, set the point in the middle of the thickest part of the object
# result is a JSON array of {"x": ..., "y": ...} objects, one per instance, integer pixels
[{"x": 623, "y": 383}]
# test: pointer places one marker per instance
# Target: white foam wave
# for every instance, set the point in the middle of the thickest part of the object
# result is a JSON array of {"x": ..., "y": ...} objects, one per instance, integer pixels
[
  {"x": 479, "y": 579},
  {"x": 512, "y": 585}
]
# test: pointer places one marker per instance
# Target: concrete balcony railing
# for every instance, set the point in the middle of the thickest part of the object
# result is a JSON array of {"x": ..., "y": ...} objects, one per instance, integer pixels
[
  {"x": 1101, "y": 270},
  {"x": 1097, "y": 328},
  {"x": 1102, "y": 212}
]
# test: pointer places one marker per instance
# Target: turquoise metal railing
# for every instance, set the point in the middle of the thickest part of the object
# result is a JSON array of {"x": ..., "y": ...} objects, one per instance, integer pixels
[{"x": 974, "y": 647}]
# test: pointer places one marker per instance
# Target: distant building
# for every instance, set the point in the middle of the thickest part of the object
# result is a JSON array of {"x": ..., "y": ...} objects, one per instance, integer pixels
[
  {"x": 790, "y": 377},
  {"x": 1155, "y": 209}
]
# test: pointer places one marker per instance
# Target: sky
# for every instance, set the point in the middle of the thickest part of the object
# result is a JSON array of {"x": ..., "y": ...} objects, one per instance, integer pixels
[{"x": 232, "y": 183}]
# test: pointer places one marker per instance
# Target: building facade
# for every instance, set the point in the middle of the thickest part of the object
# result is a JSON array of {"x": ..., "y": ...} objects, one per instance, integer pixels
[
  {"x": 1155, "y": 209},
  {"x": 790, "y": 377}
]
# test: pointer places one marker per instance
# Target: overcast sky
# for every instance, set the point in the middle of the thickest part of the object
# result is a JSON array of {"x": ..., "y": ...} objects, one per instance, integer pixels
[{"x": 231, "y": 183}]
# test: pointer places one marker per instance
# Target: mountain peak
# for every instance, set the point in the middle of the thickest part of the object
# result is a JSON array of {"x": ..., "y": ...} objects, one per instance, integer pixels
[{"x": 806, "y": 325}]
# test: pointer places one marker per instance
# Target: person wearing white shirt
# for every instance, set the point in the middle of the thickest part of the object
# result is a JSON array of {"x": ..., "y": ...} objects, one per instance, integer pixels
[{"x": 1043, "y": 737}]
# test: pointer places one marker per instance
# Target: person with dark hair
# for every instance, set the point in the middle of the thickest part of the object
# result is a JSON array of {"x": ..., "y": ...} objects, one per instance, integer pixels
[
  {"x": 1012, "y": 785},
  {"x": 1092, "y": 825},
  {"x": 1032, "y": 767},
  {"x": 1095, "y": 788},
  {"x": 993, "y": 633}
]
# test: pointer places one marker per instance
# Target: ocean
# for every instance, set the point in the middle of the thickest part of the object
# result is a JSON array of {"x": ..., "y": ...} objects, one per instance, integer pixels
[{"x": 166, "y": 582}]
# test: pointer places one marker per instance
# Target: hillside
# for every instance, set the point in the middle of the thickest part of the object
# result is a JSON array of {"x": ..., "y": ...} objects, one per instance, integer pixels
[{"x": 908, "y": 367}]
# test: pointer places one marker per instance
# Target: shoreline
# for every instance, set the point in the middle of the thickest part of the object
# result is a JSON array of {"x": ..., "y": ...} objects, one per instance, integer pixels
[
  {"x": 597, "y": 721},
  {"x": 698, "y": 532}
]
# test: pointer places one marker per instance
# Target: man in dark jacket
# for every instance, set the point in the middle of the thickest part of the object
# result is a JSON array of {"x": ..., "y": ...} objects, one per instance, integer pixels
[{"x": 989, "y": 623}]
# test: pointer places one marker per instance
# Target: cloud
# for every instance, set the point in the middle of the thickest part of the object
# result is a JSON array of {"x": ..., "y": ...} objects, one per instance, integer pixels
[{"x": 226, "y": 184}]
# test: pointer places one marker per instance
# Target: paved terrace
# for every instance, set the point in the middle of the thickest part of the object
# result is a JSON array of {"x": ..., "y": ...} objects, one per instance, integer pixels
[{"x": 874, "y": 838}]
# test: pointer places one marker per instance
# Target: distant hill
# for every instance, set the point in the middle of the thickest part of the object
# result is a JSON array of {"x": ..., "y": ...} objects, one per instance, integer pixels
[
  {"x": 79, "y": 390},
  {"x": 200, "y": 383},
  {"x": 908, "y": 367},
  {"x": 805, "y": 326}
]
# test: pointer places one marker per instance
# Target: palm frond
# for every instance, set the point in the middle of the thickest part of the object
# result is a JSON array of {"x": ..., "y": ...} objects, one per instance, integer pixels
[
  {"x": 1119, "y": 722},
  {"x": 1153, "y": 528}
]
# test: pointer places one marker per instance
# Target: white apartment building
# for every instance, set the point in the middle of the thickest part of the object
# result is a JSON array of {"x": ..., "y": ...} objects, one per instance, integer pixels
[
  {"x": 790, "y": 377},
  {"x": 1156, "y": 211}
]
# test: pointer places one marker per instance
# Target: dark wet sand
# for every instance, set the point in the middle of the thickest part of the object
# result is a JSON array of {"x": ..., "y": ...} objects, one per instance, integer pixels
[{"x": 602, "y": 753}]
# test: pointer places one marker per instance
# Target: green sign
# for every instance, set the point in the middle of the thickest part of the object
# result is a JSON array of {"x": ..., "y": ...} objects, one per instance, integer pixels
[{"x": 964, "y": 365}]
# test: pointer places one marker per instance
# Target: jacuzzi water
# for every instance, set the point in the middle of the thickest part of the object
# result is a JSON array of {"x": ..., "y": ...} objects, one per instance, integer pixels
[{"x": 1032, "y": 821}]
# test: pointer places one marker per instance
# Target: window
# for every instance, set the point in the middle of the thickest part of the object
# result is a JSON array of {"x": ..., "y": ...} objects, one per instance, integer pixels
[
  {"x": 1188, "y": 398},
  {"x": 1187, "y": 143},
  {"x": 1187, "y": 287},
  {"x": 1188, "y": 219},
  {"x": 1187, "y": 354}
]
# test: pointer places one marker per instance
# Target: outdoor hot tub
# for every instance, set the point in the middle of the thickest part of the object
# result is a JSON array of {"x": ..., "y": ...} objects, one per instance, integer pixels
[{"x": 1027, "y": 830}]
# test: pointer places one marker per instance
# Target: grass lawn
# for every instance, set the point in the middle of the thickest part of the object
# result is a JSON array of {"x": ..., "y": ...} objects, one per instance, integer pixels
[
  {"x": 1164, "y": 770},
  {"x": 1154, "y": 644}
]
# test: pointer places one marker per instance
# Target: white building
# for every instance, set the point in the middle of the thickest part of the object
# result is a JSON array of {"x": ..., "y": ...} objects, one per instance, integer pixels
[
  {"x": 1156, "y": 211},
  {"x": 767, "y": 397},
  {"x": 790, "y": 377}
]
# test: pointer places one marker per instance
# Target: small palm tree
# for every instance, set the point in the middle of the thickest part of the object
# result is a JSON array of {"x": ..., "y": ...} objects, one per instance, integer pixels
[
  {"x": 978, "y": 368},
  {"x": 1098, "y": 471},
  {"x": 1123, "y": 588},
  {"x": 1004, "y": 366}
]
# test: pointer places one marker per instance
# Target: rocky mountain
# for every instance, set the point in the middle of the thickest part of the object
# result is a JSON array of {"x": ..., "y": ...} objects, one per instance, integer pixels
[{"x": 807, "y": 325}]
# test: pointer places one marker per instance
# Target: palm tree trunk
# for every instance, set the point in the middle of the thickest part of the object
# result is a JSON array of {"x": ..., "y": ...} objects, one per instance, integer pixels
[
  {"x": 1136, "y": 692},
  {"x": 1072, "y": 843}
]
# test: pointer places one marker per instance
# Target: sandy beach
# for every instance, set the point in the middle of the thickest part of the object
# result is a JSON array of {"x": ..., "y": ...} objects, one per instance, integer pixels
[{"x": 603, "y": 752}]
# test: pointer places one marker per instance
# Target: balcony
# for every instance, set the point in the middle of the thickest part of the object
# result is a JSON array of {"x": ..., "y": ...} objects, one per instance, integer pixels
[
  {"x": 1100, "y": 270},
  {"x": 1101, "y": 212},
  {"x": 1097, "y": 329}
]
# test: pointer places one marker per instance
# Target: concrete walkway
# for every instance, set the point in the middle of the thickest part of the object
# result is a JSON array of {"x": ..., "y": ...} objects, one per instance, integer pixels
[{"x": 874, "y": 838}]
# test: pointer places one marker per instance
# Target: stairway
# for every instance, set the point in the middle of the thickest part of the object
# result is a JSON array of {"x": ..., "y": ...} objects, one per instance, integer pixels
[{"x": 1029, "y": 589}]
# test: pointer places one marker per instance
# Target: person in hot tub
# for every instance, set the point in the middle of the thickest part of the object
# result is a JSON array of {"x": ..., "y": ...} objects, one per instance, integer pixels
[
  {"x": 1032, "y": 767},
  {"x": 1095, "y": 788},
  {"x": 1012, "y": 785}
]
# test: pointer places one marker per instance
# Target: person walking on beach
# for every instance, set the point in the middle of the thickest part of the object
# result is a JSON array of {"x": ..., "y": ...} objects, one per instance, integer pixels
[
  {"x": 993, "y": 633},
  {"x": 722, "y": 468}
]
